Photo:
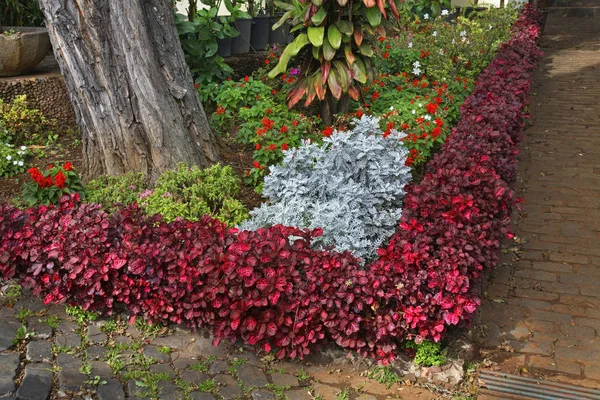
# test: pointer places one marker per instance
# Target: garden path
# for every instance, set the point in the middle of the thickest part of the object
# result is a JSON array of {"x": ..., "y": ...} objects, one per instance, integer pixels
[{"x": 542, "y": 313}]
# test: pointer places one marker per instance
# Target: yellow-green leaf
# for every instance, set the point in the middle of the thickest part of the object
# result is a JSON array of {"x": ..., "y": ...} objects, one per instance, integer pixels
[
  {"x": 366, "y": 50},
  {"x": 319, "y": 16},
  {"x": 328, "y": 50},
  {"x": 316, "y": 34},
  {"x": 360, "y": 72},
  {"x": 373, "y": 16},
  {"x": 334, "y": 36},
  {"x": 345, "y": 27}
]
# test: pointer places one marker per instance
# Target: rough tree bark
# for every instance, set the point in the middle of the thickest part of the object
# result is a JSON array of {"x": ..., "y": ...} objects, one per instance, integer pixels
[{"x": 131, "y": 89}]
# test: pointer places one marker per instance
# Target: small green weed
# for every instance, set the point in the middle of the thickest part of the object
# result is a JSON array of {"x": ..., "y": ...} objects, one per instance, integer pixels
[
  {"x": 81, "y": 317},
  {"x": 208, "y": 385},
  {"x": 51, "y": 321},
  {"x": 164, "y": 349},
  {"x": 384, "y": 375},
  {"x": 23, "y": 314},
  {"x": 302, "y": 375},
  {"x": 279, "y": 391},
  {"x": 344, "y": 395},
  {"x": 200, "y": 366}
]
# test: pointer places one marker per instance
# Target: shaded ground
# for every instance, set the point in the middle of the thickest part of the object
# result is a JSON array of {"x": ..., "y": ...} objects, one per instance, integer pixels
[{"x": 542, "y": 316}]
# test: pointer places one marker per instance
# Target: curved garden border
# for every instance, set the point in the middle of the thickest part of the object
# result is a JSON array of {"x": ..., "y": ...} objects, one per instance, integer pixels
[{"x": 281, "y": 294}]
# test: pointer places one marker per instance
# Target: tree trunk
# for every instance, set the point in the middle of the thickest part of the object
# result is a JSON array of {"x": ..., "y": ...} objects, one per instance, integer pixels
[{"x": 131, "y": 89}]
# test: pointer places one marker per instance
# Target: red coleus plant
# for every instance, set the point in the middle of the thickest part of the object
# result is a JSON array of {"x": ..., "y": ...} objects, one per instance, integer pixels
[{"x": 269, "y": 287}]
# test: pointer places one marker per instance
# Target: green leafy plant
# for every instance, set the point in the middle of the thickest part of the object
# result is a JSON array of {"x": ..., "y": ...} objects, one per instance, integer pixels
[
  {"x": 427, "y": 353},
  {"x": 23, "y": 313},
  {"x": 12, "y": 158},
  {"x": 164, "y": 349},
  {"x": 49, "y": 186},
  {"x": 198, "y": 33},
  {"x": 24, "y": 125},
  {"x": 21, "y": 334},
  {"x": 113, "y": 190},
  {"x": 335, "y": 42},
  {"x": 185, "y": 192}
]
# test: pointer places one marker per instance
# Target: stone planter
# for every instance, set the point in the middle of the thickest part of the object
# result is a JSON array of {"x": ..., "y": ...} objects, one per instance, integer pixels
[{"x": 22, "y": 51}]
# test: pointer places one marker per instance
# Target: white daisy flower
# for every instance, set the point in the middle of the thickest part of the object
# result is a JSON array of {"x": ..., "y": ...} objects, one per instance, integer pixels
[
  {"x": 426, "y": 16},
  {"x": 445, "y": 12}
]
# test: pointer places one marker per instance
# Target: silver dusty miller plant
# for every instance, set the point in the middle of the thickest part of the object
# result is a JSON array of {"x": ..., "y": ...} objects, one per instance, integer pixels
[{"x": 351, "y": 186}]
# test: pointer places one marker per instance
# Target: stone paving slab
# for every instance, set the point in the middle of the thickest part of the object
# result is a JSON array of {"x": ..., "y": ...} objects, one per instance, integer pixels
[{"x": 544, "y": 302}]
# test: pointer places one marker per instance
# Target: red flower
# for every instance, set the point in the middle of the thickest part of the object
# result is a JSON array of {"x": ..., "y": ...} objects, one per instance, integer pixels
[
  {"x": 327, "y": 131},
  {"x": 256, "y": 164},
  {"x": 220, "y": 110},
  {"x": 386, "y": 55},
  {"x": 60, "y": 180},
  {"x": 294, "y": 123},
  {"x": 284, "y": 146},
  {"x": 266, "y": 60},
  {"x": 359, "y": 114},
  {"x": 432, "y": 108},
  {"x": 375, "y": 96},
  {"x": 68, "y": 166},
  {"x": 257, "y": 147},
  {"x": 246, "y": 78},
  {"x": 382, "y": 39},
  {"x": 273, "y": 92},
  {"x": 272, "y": 147},
  {"x": 283, "y": 129},
  {"x": 196, "y": 85}
]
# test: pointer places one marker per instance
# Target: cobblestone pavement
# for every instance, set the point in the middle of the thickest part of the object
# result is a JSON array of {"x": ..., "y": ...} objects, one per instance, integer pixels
[
  {"x": 47, "y": 353},
  {"x": 543, "y": 307}
]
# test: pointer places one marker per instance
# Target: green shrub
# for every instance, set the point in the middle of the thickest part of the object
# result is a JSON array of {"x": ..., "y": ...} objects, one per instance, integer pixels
[
  {"x": 111, "y": 190},
  {"x": 25, "y": 125},
  {"x": 428, "y": 353},
  {"x": 185, "y": 192}
]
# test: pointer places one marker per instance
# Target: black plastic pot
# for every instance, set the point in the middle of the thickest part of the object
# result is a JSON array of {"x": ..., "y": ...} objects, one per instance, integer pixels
[
  {"x": 261, "y": 25},
  {"x": 279, "y": 35},
  {"x": 241, "y": 43},
  {"x": 224, "y": 49}
]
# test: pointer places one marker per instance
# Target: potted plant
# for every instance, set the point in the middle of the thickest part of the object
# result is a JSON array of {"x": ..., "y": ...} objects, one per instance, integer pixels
[
  {"x": 22, "y": 49},
  {"x": 261, "y": 26},
  {"x": 243, "y": 23},
  {"x": 23, "y": 41},
  {"x": 199, "y": 40}
]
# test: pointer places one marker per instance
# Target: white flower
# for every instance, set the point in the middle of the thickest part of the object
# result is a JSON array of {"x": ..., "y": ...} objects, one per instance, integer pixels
[
  {"x": 20, "y": 163},
  {"x": 491, "y": 27},
  {"x": 416, "y": 64},
  {"x": 391, "y": 108},
  {"x": 445, "y": 12},
  {"x": 9, "y": 157},
  {"x": 463, "y": 33},
  {"x": 420, "y": 104},
  {"x": 453, "y": 41},
  {"x": 426, "y": 16},
  {"x": 15, "y": 162},
  {"x": 434, "y": 34},
  {"x": 416, "y": 71},
  {"x": 414, "y": 111},
  {"x": 442, "y": 52},
  {"x": 427, "y": 117},
  {"x": 410, "y": 45},
  {"x": 23, "y": 148}
]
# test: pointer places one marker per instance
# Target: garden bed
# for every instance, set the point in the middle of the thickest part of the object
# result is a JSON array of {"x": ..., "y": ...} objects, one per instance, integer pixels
[{"x": 283, "y": 295}]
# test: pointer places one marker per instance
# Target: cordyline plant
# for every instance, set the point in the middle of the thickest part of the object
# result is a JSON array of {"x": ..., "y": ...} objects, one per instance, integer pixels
[{"x": 336, "y": 38}]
